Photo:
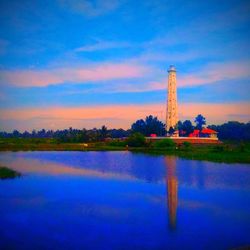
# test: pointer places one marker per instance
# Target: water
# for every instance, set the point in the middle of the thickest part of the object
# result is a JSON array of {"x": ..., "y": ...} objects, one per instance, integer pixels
[{"x": 121, "y": 200}]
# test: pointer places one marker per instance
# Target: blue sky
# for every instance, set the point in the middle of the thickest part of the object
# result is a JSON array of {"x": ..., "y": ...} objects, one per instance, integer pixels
[{"x": 85, "y": 57}]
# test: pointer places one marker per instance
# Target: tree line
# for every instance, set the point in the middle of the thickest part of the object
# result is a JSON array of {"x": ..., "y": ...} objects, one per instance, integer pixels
[
  {"x": 231, "y": 130},
  {"x": 70, "y": 135}
]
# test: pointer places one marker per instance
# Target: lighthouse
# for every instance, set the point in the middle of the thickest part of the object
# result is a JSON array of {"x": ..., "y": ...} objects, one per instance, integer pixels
[{"x": 172, "y": 108}]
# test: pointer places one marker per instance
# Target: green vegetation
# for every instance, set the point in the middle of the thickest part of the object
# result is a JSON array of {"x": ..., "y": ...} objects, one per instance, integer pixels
[
  {"x": 231, "y": 130},
  {"x": 136, "y": 140},
  {"x": 187, "y": 145},
  {"x": 164, "y": 144},
  {"x": 6, "y": 173},
  {"x": 226, "y": 152},
  {"x": 185, "y": 127},
  {"x": 200, "y": 120},
  {"x": 116, "y": 143},
  {"x": 151, "y": 125}
]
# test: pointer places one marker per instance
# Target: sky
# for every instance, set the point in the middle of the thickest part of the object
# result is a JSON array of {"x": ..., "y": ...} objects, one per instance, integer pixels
[{"x": 83, "y": 63}]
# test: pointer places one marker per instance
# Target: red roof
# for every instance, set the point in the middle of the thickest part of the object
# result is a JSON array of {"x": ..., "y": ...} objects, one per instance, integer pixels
[
  {"x": 195, "y": 133},
  {"x": 208, "y": 131}
]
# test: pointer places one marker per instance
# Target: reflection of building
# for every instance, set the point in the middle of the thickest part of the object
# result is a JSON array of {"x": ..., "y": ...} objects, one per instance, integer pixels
[
  {"x": 172, "y": 190},
  {"x": 172, "y": 111}
]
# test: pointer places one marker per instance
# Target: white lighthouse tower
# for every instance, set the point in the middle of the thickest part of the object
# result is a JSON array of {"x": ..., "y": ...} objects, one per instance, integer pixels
[{"x": 172, "y": 108}]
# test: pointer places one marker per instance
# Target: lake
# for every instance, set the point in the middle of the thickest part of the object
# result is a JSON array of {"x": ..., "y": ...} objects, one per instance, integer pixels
[{"x": 122, "y": 200}]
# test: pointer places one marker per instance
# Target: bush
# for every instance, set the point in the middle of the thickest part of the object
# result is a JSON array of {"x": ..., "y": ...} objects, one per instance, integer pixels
[
  {"x": 242, "y": 147},
  {"x": 187, "y": 145},
  {"x": 218, "y": 149},
  {"x": 136, "y": 140},
  {"x": 117, "y": 143},
  {"x": 164, "y": 143},
  {"x": 6, "y": 173},
  {"x": 99, "y": 144}
]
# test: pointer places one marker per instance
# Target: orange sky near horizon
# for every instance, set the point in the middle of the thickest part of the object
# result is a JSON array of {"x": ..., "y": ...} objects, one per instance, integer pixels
[{"x": 116, "y": 116}]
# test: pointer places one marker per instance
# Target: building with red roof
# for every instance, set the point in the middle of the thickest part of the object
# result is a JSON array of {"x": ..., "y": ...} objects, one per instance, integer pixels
[
  {"x": 196, "y": 133},
  {"x": 205, "y": 132}
]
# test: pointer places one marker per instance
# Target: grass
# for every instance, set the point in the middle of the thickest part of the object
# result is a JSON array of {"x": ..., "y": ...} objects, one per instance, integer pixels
[
  {"x": 207, "y": 154},
  {"x": 229, "y": 152},
  {"x": 6, "y": 173}
]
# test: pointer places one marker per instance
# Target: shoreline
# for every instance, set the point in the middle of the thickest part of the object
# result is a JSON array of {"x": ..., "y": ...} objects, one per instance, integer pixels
[{"x": 201, "y": 152}]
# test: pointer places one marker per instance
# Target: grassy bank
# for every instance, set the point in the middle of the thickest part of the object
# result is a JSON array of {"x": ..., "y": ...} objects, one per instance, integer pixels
[
  {"x": 229, "y": 152},
  {"x": 6, "y": 173},
  {"x": 20, "y": 144},
  {"x": 206, "y": 153}
]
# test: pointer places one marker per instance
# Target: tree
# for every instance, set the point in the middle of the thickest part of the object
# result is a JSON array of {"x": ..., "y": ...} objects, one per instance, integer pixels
[
  {"x": 33, "y": 133},
  {"x": 119, "y": 133},
  {"x": 82, "y": 136},
  {"x": 233, "y": 130},
  {"x": 187, "y": 127},
  {"x": 154, "y": 126},
  {"x": 41, "y": 133},
  {"x": 151, "y": 125},
  {"x": 16, "y": 133},
  {"x": 200, "y": 120},
  {"x": 103, "y": 132},
  {"x": 94, "y": 135},
  {"x": 180, "y": 125},
  {"x": 26, "y": 134},
  {"x": 139, "y": 126},
  {"x": 171, "y": 130}
]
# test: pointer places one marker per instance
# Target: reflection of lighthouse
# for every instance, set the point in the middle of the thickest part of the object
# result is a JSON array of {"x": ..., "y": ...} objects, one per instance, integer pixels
[{"x": 172, "y": 190}]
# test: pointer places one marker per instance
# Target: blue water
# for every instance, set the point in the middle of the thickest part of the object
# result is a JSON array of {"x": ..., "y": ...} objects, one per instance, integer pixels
[{"x": 122, "y": 200}]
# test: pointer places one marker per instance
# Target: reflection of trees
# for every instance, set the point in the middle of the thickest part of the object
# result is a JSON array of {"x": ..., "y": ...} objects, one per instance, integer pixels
[{"x": 172, "y": 190}]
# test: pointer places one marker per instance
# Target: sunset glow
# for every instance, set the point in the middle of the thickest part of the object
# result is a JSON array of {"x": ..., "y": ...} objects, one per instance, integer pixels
[{"x": 103, "y": 64}]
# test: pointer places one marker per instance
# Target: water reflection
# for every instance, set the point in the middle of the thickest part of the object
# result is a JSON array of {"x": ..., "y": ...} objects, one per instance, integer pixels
[
  {"x": 105, "y": 200},
  {"x": 125, "y": 165},
  {"x": 172, "y": 190}
]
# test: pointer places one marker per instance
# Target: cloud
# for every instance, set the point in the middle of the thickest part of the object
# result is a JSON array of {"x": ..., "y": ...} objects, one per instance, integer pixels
[
  {"x": 103, "y": 45},
  {"x": 116, "y": 77},
  {"x": 91, "y": 8},
  {"x": 115, "y": 116},
  {"x": 36, "y": 166},
  {"x": 210, "y": 74},
  {"x": 99, "y": 73},
  {"x": 136, "y": 88},
  {"x": 216, "y": 112},
  {"x": 207, "y": 75},
  {"x": 216, "y": 72}
]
